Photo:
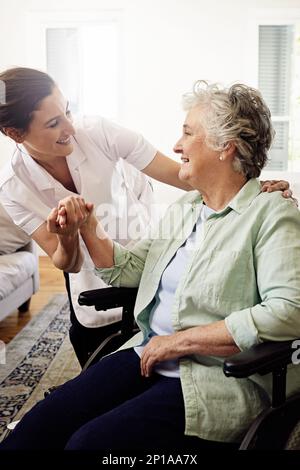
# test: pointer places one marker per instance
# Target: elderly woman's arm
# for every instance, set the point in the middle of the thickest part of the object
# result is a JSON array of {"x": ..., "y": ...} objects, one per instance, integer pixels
[
  {"x": 275, "y": 318},
  {"x": 115, "y": 264},
  {"x": 208, "y": 340},
  {"x": 277, "y": 259},
  {"x": 99, "y": 245}
]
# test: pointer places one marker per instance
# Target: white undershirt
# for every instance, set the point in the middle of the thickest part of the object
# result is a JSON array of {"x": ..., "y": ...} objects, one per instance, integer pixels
[{"x": 160, "y": 316}]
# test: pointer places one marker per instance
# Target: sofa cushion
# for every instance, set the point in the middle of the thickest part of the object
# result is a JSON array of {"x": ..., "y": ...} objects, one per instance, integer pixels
[
  {"x": 11, "y": 236},
  {"x": 15, "y": 269}
]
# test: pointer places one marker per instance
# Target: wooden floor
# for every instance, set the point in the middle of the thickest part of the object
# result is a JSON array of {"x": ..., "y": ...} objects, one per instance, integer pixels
[{"x": 51, "y": 282}]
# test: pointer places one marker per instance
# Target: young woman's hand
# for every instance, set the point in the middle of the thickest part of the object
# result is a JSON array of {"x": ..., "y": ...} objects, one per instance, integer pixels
[
  {"x": 276, "y": 185},
  {"x": 71, "y": 213},
  {"x": 279, "y": 185}
]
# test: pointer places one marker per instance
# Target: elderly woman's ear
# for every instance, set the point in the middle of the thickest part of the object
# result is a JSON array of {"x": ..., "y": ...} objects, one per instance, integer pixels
[
  {"x": 18, "y": 135},
  {"x": 228, "y": 151}
]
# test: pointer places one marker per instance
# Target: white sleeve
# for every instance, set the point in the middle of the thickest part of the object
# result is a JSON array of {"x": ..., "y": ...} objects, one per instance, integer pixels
[
  {"x": 118, "y": 142},
  {"x": 25, "y": 219}
]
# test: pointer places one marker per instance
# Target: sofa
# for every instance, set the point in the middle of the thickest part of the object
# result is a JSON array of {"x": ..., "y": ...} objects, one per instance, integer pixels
[{"x": 19, "y": 271}]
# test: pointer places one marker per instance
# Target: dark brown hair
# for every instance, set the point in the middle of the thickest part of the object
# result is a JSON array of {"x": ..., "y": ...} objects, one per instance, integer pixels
[{"x": 22, "y": 90}]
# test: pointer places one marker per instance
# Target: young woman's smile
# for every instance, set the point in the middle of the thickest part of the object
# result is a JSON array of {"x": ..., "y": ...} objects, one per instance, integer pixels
[{"x": 50, "y": 131}]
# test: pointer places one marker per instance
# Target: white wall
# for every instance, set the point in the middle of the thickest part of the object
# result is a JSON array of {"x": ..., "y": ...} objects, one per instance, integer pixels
[{"x": 166, "y": 46}]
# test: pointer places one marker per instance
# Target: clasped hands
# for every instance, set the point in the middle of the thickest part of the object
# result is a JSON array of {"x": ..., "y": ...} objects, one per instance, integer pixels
[{"x": 71, "y": 215}]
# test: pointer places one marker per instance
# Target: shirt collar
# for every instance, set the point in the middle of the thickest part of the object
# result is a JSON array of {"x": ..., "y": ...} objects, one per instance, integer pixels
[
  {"x": 38, "y": 174},
  {"x": 245, "y": 196},
  {"x": 77, "y": 157},
  {"x": 241, "y": 200}
]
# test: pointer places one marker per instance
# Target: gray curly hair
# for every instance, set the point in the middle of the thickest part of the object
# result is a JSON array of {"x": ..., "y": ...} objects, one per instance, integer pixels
[{"x": 237, "y": 114}]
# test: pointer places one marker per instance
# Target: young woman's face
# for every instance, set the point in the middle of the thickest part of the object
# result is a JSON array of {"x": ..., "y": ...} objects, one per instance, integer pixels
[{"x": 49, "y": 133}]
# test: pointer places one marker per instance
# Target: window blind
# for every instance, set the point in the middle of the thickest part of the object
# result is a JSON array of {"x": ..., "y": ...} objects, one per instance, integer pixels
[{"x": 274, "y": 82}]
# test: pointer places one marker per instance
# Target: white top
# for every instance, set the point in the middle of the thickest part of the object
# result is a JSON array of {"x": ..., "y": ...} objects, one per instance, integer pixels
[
  {"x": 161, "y": 314},
  {"x": 101, "y": 174}
]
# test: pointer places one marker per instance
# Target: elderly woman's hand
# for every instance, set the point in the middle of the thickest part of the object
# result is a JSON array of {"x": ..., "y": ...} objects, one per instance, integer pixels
[
  {"x": 71, "y": 214},
  {"x": 160, "y": 348}
]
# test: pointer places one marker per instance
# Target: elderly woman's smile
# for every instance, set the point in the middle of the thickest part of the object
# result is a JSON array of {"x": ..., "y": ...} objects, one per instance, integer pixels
[{"x": 206, "y": 165}]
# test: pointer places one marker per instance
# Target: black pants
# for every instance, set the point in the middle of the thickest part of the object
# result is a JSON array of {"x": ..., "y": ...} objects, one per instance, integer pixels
[
  {"x": 85, "y": 340},
  {"x": 109, "y": 406}
]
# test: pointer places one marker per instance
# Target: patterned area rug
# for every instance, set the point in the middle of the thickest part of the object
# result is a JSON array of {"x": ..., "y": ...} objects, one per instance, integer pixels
[{"x": 39, "y": 357}]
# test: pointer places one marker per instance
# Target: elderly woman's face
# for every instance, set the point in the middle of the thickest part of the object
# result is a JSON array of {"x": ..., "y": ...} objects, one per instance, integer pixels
[{"x": 198, "y": 160}]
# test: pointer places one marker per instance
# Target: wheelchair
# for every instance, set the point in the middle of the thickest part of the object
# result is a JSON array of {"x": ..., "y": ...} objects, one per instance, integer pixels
[{"x": 277, "y": 427}]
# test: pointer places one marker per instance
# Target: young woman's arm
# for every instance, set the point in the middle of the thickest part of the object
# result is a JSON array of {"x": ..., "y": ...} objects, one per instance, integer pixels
[
  {"x": 64, "y": 250},
  {"x": 164, "y": 169},
  {"x": 60, "y": 239}
]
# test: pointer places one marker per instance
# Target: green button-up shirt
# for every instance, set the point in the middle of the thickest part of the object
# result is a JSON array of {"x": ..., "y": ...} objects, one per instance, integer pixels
[{"x": 246, "y": 270}]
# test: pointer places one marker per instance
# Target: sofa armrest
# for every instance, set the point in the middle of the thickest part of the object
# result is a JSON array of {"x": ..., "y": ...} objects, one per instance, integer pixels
[{"x": 32, "y": 248}]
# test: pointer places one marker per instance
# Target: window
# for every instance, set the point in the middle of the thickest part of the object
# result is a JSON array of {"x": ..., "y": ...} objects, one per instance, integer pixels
[
  {"x": 84, "y": 62},
  {"x": 274, "y": 81},
  {"x": 274, "y": 67},
  {"x": 81, "y": 50}
]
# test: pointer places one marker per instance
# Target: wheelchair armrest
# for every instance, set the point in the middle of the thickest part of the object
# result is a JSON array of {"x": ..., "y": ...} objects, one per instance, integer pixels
[
  {"x": 262, "y": 358},
  {"x": 110, "y": 297}
]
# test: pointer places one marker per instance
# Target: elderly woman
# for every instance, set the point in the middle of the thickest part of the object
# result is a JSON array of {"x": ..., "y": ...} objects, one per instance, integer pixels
[{"x": 221, "y": 273}]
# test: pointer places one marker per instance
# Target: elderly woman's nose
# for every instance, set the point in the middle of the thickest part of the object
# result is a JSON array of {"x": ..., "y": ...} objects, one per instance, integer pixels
[{"x": 178, "y": 147}]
